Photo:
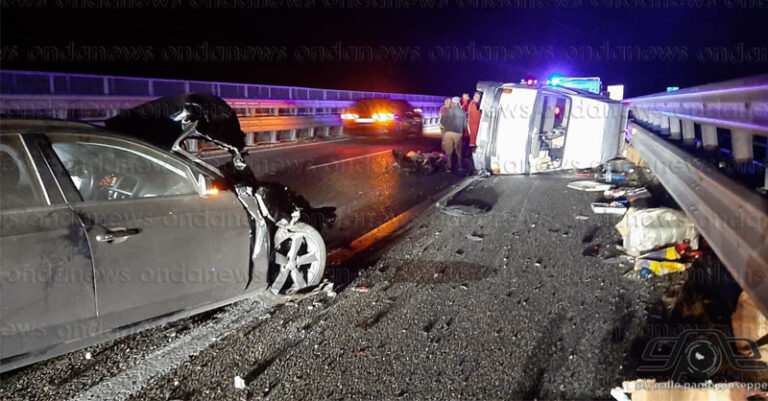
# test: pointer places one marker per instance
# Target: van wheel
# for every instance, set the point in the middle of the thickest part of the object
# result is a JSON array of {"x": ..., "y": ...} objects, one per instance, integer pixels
[{"x": 299, "y": 259}]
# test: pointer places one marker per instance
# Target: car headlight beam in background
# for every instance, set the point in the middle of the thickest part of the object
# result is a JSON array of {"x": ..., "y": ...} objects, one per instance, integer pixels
[{"x": 383, "y": 116}]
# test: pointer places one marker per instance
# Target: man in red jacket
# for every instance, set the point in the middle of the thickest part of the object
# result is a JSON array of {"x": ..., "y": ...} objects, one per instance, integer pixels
[
  {"x": 464, "y": 101},
  {"x": 473, "y": 118}
]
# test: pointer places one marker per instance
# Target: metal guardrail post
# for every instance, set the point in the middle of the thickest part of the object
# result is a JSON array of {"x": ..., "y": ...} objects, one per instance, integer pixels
[
  {"x": 741, "y": 143},
  {"x": 664, "y": 126},
  {"x": 674, "y": 128},
  {"x": 689, "y": 132},
  {"x": 709, "y": 136}
]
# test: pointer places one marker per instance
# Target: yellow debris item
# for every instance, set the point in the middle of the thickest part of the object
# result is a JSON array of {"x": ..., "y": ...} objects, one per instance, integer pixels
[{"x": 660, "y": 267}]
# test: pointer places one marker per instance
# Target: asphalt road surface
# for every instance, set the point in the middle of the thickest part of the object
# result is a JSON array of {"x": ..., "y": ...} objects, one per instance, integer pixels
[{"x": 505, "y": 303}]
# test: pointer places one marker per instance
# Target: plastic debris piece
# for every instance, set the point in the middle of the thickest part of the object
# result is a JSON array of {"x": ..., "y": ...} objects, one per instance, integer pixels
[
  {"x": 239, "y": 383},
  {"x": 88, "y": 355},
  {"x": 668, "y": 253},
  {"x": 619, "y": 395},
  {"x": 636, "y": 194},
  {"x": 581, "y": 217},
  {"x": 589, "y": 186},
  {"x": 660, "y": 267},
  {"x": 361, "y": 288},
  {"x": 615, "y": 193},
  {"x": 645, "y": 229},
  {"x": 474, "y": 237},
  {"x": 609, "y": 208}
]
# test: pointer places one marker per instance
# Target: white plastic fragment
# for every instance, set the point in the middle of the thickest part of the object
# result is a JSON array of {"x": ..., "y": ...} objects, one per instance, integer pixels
[
  {"x": 88, "y": 355},
  {"x": 239, "y": 383},
  {"x": 589, "y": 186},
  {"x": 473, "y": 237},
  {"x": 619, "y": 394},
  {"x": 608, "y": 208},
  {"x": 645, "y": 229}
]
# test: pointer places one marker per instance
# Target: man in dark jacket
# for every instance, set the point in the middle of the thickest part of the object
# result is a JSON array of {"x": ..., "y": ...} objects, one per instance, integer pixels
[{"x": 454, "y": 120}]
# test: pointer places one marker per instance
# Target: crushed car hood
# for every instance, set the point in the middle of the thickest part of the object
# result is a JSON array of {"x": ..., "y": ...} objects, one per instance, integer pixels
[{"x": 154, "y": 121}]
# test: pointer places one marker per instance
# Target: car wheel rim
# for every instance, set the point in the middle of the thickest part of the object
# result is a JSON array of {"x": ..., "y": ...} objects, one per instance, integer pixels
[{"x": 298, "y": 258}]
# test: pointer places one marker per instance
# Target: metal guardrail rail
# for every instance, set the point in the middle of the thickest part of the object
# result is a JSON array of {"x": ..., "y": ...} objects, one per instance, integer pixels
[
  {"x": 732, "y": 217},
  {"x": 268, "y": 113}
]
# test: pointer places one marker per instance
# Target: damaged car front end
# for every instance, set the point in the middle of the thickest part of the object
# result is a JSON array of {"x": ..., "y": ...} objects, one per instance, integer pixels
[{"x": 285, "y": 229}]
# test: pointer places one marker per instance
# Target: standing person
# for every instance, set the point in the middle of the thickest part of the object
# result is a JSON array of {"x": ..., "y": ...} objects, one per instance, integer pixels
[
  {"x": 454, "y": 121},
  {"x": 465, "y": 101},
  {"x": 446, "y": 105},
  {"x": 465, "y": 133},
  {"x": 473, "y": 120}
]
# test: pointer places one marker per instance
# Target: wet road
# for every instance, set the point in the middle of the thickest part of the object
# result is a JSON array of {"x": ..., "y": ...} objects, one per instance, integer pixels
[{"x": 356, "y": 175}]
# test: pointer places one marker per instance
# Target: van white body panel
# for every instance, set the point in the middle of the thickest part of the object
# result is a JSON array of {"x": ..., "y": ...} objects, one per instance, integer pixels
[{"x": 527, "y": 130}]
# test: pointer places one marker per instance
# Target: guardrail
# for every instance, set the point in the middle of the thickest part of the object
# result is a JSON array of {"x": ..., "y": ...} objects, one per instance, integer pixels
[
  {"x": 733, "y": 218},
  {"x": 268, "y": 113}
]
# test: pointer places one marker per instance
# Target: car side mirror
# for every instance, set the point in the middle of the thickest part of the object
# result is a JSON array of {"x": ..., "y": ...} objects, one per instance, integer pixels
[{"x": 206, "y": 187}]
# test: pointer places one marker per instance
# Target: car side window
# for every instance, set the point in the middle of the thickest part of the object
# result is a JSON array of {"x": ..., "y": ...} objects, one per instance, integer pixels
[
  {"x": 19, "y": 184},
  {"x": 104, "y": 168}
]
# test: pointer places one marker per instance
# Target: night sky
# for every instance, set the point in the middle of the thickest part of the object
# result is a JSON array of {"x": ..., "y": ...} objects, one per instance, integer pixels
[{"x": 416, "y": 46}]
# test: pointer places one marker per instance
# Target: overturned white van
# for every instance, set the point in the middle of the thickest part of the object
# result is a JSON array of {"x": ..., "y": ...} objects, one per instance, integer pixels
[{"x": 531, "y": 129}]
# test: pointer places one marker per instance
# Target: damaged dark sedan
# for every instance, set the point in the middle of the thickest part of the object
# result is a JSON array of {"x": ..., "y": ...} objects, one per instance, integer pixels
[{"x": 109, "y": 231}]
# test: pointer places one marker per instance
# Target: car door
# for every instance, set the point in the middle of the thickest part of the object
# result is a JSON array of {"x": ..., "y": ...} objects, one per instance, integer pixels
[
  {"x": 158, "y": 246},
  {"x": 46, "y": 277}
]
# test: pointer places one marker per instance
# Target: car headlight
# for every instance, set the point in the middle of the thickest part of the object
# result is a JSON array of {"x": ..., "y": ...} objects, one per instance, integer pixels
[{"x": 383, "y": 116}]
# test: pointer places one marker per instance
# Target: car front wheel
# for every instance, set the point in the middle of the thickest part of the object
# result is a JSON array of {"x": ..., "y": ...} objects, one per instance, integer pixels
[{"x": 299, "y": 259}]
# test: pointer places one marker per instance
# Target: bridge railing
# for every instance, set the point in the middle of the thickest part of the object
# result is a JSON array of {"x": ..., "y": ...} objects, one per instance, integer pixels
[
  {"x": 268, "y": 113},
  {"x": 730, "y": 116}
]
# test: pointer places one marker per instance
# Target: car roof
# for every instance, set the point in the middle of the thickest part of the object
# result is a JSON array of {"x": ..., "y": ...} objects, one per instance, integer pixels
[{"x": 18, "y": 125}]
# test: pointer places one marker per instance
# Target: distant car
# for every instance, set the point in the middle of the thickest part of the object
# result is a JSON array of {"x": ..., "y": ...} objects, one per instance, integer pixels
[
  {"x": 105, "y": 233},
  {"x": 382, "y": 117}
]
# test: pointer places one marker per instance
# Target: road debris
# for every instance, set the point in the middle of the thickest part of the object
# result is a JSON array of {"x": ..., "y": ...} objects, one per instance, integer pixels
[
  {"x": 475, "y": 237},
  {"x": 88, "y": 355},
  {"x": 239, "y": 383},
  {"x": 660, "y": 267},
  {"x": 615, "y": 207},
  {"x": 643, "y": 230},
  {"x": 619, "y": 170},
  {"x": 361, "y": 288},
  {"x": 589, "y": 186},
  {"x": 417, "y": 162},
  {"x": 618, "y": 394},
  {"x": 582, "y": 217},
  {"x": 629, "y": 194},
  {"x": 462, "y": 210}
]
